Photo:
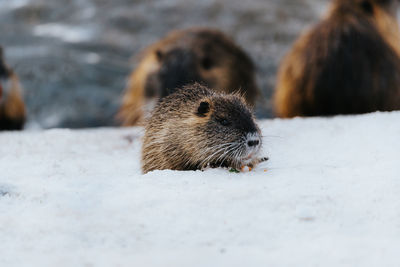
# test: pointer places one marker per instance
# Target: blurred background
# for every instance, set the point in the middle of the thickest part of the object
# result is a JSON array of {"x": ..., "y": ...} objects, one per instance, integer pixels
[{"x": 73, "y": 57}]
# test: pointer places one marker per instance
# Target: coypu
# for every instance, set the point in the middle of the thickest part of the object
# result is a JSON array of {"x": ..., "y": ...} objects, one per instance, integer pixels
[
  {"x": 183, "y": 57},
  {"x": 12, "y": 108},
  {"x": 196, "y": 127},
  {"x": 349, "y": 63}
]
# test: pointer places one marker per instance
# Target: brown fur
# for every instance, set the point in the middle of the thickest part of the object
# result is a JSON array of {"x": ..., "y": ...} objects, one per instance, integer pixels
[
  {"x": 349, "y": 63},
  {"x": 12, "y": 107},
  {"x": 183, "y": 57},
  {"x": 195, "y": 127}
]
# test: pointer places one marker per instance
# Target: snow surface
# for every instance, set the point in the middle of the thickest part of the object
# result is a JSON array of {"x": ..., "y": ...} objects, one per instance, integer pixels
[{"x": 330, "y": 196}]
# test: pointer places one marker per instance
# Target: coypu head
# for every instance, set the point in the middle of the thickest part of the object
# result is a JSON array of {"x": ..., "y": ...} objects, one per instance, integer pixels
[
  {"x": 227, "y": 134},
  {"x": 199, "y": 55}
]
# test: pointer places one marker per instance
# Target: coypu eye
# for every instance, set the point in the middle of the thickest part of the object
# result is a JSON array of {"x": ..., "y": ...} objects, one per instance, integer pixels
[
  {"x": 223, "y": 122},
  {"x": 367, "y": 7},
  {"x": 159, "y": 55},
  {"x": 207, "y": 63}
]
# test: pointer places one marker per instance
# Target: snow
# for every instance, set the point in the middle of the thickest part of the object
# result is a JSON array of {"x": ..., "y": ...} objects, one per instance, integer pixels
[{"x": 328, "y": 196}]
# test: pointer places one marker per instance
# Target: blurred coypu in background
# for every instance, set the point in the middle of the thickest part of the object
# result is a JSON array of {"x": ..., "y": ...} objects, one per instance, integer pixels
[
  {"x": 349, "y": 63},
  {"x": 12, "y": 108},
  {"x": 183, "y": 57}
]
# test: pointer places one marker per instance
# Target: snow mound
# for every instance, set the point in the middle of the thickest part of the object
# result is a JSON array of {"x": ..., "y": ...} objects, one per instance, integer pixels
[{"x": 328, "y": 196}]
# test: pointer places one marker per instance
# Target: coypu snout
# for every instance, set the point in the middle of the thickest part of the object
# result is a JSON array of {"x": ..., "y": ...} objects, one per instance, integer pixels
[{"x": 253, "y": 145}]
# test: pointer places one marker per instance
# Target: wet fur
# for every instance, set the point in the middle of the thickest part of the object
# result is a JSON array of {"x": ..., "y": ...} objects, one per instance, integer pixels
[
  {"x": 347, "y": 64},
  {"x": 184, "y": 132},
  {"x": 231, "y": 70}
]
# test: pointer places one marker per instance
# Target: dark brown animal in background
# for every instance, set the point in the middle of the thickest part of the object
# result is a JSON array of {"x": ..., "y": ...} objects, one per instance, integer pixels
[
  {"x": 349, "y": 63},
  {"x": 183, "y": 57},
  {"x": 12, "y": 108},
  {"x": 196, "y": 127}
]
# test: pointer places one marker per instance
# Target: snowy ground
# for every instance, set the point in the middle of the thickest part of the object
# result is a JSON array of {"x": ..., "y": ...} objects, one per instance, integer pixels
[{"x": 329, "y": 197}]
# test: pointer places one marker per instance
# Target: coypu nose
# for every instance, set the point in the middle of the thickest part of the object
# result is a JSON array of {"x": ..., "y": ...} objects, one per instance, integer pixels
[
  {"x": 253, "y": 140},
  {"x": 253, "y": 143}
]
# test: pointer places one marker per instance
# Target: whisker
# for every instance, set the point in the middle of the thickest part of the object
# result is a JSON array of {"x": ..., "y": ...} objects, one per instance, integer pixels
[
  {"x": 208, "y": 158},
  {"x": 271, "y": 136},
  {"x": 229, "y": 154}
]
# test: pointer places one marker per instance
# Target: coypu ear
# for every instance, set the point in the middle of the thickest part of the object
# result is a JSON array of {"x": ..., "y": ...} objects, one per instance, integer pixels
[{"x": 203, "y": 108}]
